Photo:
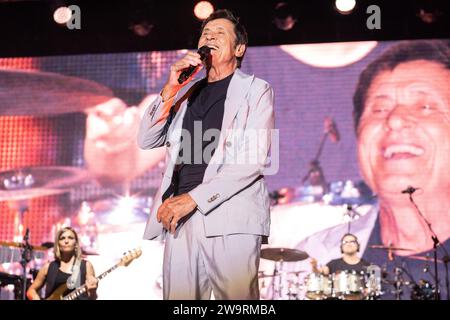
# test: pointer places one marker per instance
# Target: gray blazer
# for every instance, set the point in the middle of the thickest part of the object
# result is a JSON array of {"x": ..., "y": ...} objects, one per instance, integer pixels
[{"x": 231, "y": 197}]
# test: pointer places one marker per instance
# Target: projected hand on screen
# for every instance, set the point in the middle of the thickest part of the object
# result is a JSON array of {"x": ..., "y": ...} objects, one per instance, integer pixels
[{"x": 110, "y": 148}]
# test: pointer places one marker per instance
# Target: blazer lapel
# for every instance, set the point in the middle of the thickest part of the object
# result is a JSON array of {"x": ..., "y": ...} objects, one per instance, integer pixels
[{"x": 237, "y": 91}]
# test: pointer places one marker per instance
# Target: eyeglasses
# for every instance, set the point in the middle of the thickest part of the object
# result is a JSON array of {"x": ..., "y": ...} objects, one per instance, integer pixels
[{"x": 350, "y": 241}]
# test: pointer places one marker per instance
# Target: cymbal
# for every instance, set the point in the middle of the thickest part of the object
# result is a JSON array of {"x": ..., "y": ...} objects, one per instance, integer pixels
[
  {"x": 283, "y": 254},
  {"x": 48, "y": 245},
  {"x": 20, "y": 245},
  {"x": 424, "y": 258},
  {"x": 376, "y": 246},
  {"x": 31, "y": 182},
  {"x": 6, "y": 278},
  {"x": 44, "y": 93}
]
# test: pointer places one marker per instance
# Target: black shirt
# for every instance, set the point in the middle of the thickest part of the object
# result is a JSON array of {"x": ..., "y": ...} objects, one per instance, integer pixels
[
  {"x": 204, "y": 112},
  {"x": 341, "y": 265}
]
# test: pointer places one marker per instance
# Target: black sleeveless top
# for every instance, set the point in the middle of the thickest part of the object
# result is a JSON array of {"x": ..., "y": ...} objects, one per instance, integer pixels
[{"x": 56, "y": 277}]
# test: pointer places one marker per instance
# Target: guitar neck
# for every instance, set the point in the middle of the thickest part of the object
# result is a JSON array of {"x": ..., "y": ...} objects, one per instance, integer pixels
[{"x": 79, "y": 291}]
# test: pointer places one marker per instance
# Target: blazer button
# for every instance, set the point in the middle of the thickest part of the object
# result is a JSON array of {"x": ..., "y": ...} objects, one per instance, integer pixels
[{"x": 168, "y": 144}]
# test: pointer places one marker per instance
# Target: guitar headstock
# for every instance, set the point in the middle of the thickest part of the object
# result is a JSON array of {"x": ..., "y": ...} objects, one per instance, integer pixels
[{"x": 130, "y": 256}]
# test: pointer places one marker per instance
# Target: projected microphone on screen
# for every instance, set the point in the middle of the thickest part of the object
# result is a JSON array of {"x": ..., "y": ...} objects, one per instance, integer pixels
[{"x": 331, "y": 129}]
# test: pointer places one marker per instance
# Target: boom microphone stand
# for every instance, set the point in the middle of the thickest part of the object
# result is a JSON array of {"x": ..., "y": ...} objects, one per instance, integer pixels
[{"x": 436, "y": 244}]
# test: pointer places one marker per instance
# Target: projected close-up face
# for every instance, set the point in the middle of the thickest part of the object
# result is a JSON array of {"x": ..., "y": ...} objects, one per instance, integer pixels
[{"x": 404, "y": 131}]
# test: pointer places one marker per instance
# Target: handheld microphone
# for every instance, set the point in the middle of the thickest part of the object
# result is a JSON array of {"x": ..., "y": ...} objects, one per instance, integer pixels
[
  {"x": 204, "y": 52},
  {"x": 410, "y": 190}
]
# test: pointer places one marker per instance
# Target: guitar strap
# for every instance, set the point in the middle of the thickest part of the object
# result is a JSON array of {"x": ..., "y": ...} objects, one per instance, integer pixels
[{"x": 74, "y": 281}]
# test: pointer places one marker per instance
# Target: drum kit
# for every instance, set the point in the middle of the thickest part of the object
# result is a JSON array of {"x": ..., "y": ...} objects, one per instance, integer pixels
[
  {"x": 371, "y": 284},
  {"x": 342, "y": 285}
]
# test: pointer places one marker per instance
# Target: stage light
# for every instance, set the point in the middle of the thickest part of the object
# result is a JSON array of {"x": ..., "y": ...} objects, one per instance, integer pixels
[
  {"x": 203, "y": 9},
  {"x": 141, "y": 29},
  {"x": 345, "y": 6},
  {"x": 283, "y": 17},
  {"x": 429, "y": 11},
  {"x": 62, "y": 15}
]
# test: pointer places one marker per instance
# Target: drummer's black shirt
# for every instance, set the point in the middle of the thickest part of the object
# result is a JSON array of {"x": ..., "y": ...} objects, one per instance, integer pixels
[{"x": 340, "y": 265}]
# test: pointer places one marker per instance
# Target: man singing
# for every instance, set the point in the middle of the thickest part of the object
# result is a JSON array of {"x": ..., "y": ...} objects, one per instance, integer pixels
[{"x": 211, "y": 209}]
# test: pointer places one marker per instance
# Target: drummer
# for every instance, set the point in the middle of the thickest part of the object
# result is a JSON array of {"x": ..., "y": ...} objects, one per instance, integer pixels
[{"x": 350, "y": 261}]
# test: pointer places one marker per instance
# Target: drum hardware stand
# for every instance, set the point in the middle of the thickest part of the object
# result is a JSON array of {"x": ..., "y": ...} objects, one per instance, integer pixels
[
  {"x": 436, "y": 244},
  {"x": 21, "y": 181},
  {"x": 374, "y": 272},
  {"x": 26, "y": 258},
  {"x": 398, "y": 283},
  {"x": 27, "y": 249},
  {"x": 426, "y": 268},
  {"x": 352, "y": 214},
  {"x": 276, "y": 271}
]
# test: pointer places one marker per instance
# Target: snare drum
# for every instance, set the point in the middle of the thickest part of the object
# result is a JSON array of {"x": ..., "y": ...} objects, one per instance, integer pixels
[
  {"x": 348, "y": 285},
  {"x": 318, "y": 286}
]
